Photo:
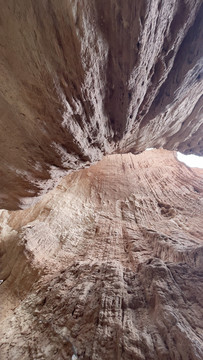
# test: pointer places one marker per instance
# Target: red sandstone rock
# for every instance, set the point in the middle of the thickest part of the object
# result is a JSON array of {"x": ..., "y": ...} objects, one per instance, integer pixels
[
  {"x": 107, "y": 266},
  {"x": 80, "y": 79}
]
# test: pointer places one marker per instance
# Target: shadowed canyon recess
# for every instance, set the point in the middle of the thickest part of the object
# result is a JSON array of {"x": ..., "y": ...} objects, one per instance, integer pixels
[
  {"x": 80, "y": 79},
  {"x": 101, "y": 254}
]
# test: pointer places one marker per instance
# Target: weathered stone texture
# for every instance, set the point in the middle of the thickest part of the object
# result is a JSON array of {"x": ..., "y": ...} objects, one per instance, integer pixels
[
  {"x": 84, "y": 78},
  {"x": 107, "y": 266}
]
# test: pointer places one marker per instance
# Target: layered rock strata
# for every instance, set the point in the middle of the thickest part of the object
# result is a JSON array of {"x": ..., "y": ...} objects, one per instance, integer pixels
[
  {"x": 80, "y": 79},
  {"x": 107, "y": 266}
]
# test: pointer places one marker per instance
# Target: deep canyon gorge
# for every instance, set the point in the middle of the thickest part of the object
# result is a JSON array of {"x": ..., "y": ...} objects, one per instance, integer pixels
[{"x": 101, "y": 254}]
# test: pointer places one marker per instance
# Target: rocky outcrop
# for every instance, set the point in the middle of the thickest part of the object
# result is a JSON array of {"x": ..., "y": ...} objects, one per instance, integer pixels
[
  {"x": 80, "y": 79},
  {"x": 107, "y": 266}
]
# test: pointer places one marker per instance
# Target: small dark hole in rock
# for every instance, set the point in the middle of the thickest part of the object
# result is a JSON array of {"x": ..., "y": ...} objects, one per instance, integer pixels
[{"x": 196, "y": 190}]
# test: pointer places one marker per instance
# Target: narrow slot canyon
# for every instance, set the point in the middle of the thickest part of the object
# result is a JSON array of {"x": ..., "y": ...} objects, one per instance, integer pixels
[{"x": 101, "y": 254}]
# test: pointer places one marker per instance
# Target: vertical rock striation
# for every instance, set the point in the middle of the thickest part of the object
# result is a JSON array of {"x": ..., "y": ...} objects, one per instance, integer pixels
[
  {"x": 80, "y": 79},
  {"x": 107, "y": 266}
]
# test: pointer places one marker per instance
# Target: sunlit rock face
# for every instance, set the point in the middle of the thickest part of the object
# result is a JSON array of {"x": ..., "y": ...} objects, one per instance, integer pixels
[
  {"x": 107, "y": 266},
  {"x": 80, "y": 79}
]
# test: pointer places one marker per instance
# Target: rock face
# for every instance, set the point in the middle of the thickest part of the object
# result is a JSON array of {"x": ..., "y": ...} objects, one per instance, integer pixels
[
  {"x": 80, "y": 79},
  {"x": 107, "y": 266}
]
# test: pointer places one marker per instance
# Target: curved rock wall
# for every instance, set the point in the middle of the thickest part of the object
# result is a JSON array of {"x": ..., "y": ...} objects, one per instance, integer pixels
[
  {"x": 80, "y": 79},
  {"x": 107, "y": 266}
]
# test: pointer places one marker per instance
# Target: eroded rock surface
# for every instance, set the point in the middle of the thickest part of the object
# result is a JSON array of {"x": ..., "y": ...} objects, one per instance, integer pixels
[
  {"x": 80, "y": 79},
  {"x": 107, "y": 266}
]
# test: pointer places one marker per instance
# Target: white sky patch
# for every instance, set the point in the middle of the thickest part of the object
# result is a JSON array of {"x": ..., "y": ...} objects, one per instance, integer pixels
[{"x": 191, "y": 160}]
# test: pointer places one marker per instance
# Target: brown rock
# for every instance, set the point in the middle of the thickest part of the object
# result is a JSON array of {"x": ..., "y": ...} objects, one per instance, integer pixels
[
  {"x": 107, "y": 266},
  {"x": 79, "y": 79}
]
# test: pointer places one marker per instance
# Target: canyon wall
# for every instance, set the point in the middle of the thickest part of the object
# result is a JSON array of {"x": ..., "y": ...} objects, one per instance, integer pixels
[
  {"x": 83, "y": 78},
  {"x": 100, "y": 242},
  {"x": 107, "y": 266}
]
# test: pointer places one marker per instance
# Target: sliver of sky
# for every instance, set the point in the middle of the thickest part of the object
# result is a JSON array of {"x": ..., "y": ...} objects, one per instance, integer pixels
[{"x": 191, "y": 160}]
